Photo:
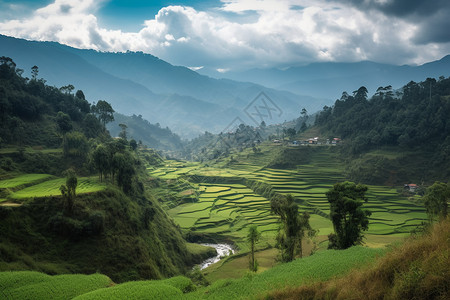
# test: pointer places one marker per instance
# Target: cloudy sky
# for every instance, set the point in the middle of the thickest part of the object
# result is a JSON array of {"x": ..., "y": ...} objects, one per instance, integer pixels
[{"x": 236, "y": 34}]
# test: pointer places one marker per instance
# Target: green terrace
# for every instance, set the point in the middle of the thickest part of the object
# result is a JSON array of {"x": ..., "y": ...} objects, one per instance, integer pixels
[
  {"x": 228, "y": 208},
  {"x": 30, "y": 186}
]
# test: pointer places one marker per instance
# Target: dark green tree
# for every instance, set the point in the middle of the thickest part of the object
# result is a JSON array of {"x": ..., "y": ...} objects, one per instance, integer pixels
[
  {"x": 67, "y": 89},
  {"x": 346, "y": 214},
  {"x": 91, "y": 126},
  {"x": 436, "y": 200},
  {"x": 34, "y": 72},
  {"x": 123, "y": 132},
  {"x": 304, "y": 113},
  {"x": 101, "y": 160},
  {"x": 133, "y": 144},
  {"x": 64, "y": 122},
  {"x": 253, "y": 237},
  {"x": 80, "y": 95},
  {"x": 75, "y": 144},
  {"x": 293, "y": 226},
  {"x": 68, "y": 190},
  {"x": 104, "y": 111}
]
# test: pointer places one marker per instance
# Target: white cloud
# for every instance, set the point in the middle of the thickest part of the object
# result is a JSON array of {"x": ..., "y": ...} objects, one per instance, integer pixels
[{"x": 285, "y": 32}]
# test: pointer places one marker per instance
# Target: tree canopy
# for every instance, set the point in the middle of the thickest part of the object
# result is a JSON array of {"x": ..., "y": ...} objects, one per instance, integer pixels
[
  {"x": 436, "y": 200},
  {"x": 346, "y": 213},
  {"x": 293, "y": 226}
]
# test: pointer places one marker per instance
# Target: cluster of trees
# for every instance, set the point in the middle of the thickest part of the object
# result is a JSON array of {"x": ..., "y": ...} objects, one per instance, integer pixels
[
  {"x": 116, "y": 159},
  {"x": 30, "y": 109}
]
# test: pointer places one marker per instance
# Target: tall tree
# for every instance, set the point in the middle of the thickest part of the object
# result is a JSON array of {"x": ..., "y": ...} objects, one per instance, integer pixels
[
  {"x": 436, "y": 200},
  {"x": 69, "y": 189},
  {"x": 346, "y": 213},
  {"x": 64, "y": 122},
  {"x": 293, "y": 226},
  {"x": 123, "y": 132},
  {"x": 253, "y": 237},
  {"x": 104, "y": 111},
  {"x": 34, "y": 72}
]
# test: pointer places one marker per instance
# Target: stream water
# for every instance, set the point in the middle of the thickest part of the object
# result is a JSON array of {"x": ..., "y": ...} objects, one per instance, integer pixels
[{"x": 222, "y": 250}]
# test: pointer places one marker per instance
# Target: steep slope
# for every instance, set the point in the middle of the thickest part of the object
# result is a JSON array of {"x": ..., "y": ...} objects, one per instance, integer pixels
[{"x": 419, "y": 269}]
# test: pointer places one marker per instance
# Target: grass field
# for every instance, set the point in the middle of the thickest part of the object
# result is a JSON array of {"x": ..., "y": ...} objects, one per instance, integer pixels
[
  {"x": 42, "y": 185},
  {"x": 22, "y": 180},
  {"x": 318, "y": 267},
  {"x": 33, "y": 285}
]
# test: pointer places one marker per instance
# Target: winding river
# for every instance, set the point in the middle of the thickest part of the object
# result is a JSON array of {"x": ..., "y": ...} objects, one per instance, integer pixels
[{"x": 222, "y": 250}]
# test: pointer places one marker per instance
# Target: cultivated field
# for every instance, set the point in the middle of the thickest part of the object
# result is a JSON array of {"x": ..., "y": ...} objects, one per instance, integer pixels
[
  {"x": 42, "y": 185},
  {"x": 225, "y": 205}
]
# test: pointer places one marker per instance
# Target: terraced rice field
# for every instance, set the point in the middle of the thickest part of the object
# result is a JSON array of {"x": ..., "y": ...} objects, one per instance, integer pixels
[
  {"x": 43, "y": 185},
  {"x": 229, "y": 208},
  {"x": 225, "y": 209}
]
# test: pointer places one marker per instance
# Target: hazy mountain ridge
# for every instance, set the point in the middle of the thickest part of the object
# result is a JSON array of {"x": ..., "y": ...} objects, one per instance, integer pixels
[
  {"x": 141, "y": 84},
  {"x": 329, "y": 80}
]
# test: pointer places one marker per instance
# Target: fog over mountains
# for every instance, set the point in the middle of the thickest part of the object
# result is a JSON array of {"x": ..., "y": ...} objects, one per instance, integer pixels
[{"x": 190, "y": 103}]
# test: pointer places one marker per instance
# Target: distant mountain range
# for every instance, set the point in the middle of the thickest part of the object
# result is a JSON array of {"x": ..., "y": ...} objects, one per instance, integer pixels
[
  {"x": 190, "y": 103},
  {"x": 329, "y": 80},
  {"x": 141, "y": 84}
]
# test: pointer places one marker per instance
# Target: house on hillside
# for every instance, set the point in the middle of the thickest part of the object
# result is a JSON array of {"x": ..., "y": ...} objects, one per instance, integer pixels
[
  {"x": 335, "y": 141},
  {"x": 313, "y": 141},
  {"x": 412, "y": 187}
]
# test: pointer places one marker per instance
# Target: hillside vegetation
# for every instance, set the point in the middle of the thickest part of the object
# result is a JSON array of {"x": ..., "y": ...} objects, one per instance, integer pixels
[
  {"x": 417, "y": 269},
  {"x": 394, "y": 137},
  {"x": 109, "y": 222}
]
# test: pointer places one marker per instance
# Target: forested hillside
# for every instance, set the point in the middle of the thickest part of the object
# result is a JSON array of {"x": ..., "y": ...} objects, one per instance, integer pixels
[
  {"x": 412, "y": 124},
  {"x": 139, "y": 129},
  {"x": 53, "y": 220}
]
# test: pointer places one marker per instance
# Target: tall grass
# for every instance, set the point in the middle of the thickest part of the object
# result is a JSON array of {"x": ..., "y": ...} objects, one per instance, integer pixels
[
  {"x": 320, "y": 266},
  {"x": 418, "y": 269}
]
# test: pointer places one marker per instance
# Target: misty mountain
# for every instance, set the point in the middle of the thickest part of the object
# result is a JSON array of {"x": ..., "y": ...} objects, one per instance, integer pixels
[
  {"x": 142, "y": 84},
  {"x": 329, "y": 80}
]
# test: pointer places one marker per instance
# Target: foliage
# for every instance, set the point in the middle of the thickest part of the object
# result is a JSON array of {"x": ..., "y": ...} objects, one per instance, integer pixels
[
  {"x": 31, "y": 111},
  {"x": 417, "y": 269},
  {"x": 64, "y": 122},
  {"x": 346, "y": 213},
  {"x": 104, "y": 111},
  {"x": 253, "y": 237},
  {"x": 69, "y": 189},
  {"x": 415, "y": 117},
  {"x": 293, "y": 226},
  {"x": 436, "y": 200}
]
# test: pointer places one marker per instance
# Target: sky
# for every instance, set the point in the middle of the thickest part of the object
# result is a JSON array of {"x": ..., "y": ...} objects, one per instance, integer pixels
[{"x": 233, "y": 35}]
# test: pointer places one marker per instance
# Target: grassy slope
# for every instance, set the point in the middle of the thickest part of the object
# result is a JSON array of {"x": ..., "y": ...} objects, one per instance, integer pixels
[
  {"x": 107, "y": 233},
  {"x": 35, "y": 285},
  {"x": 417, "y": 269}
]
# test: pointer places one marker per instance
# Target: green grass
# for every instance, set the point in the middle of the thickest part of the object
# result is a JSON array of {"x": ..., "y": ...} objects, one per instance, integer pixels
[
  {"x": 33, "y": 285},
  {"x": 22, "y": 180},
  {"x": 171, "y": 288},
  {"x": 321, "y": 266},
  {"x": 50, "y": 188}
]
